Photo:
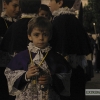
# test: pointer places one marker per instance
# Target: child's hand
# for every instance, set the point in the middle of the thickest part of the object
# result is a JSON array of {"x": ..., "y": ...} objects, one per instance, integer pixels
[
  {"x": 32, "y": 70},
  {"x": 44, "y": 80}
]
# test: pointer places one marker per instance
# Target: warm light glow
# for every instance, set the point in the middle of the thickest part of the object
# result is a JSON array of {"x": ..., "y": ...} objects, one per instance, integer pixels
[{"x": 93, "y": 23}]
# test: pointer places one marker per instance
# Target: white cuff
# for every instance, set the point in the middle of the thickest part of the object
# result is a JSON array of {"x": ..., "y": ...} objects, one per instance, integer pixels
[{"x": 26, "y": 79}]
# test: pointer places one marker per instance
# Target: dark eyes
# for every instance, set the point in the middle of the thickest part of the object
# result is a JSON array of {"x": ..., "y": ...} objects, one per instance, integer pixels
[
  {"x": 37, "y": 34},
  {"x": 51, "y": 0},
  {"x": 15, "y": 6},
  {"x": 44, "y": 14},
  {"x": 45, "y": 34}
]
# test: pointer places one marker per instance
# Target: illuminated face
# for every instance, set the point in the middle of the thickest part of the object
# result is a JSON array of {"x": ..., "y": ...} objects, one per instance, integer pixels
[
  {"x": 54, "y": 5},
  {"x": 12, "y": 9},
  {"x": 44, "y": 14},
  {"x": 39, "y": 38}
]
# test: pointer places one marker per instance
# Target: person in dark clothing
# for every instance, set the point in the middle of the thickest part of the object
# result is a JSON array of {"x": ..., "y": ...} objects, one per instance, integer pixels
[
  {"x": 70, "y": 40},
  {"x": 18, "y": 40},
  {"x": 38, "y": 69},
  {"x": 8, "y": 17},
  {"x": 89, "y": 68},
  {"x": 15, "y": 38},
  {"x": 97, "y": 69}
]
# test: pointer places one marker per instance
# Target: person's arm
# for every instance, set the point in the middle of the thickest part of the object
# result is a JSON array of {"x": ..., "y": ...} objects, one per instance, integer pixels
[
  {"x": 14, "y": 77},
  {"x": 21, "y": 82},
  {"x": 57, "y": 84},
  {"x": 5, "y": 44},
  {"x": 15, "y": 73},
  {"x": 3, "y": 27}
]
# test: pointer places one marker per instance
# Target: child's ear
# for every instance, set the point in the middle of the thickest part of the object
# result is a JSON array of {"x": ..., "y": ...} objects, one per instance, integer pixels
[
  {"x": 29, "y": 37},
  {"x": 60, "y": 3}
]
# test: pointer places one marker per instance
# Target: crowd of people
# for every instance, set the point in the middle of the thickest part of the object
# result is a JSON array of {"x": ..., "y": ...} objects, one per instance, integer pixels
[{"x": 45, "y": 52}]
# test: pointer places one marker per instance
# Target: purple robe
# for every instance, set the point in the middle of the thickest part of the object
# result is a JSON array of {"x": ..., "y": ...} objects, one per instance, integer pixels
[{"x": 19, "y": 65}]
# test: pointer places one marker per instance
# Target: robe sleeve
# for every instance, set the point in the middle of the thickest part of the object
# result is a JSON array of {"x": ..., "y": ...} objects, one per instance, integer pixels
[
  {"x": 13, "y": 79},
  {"x": 61, "y": 83},
  {"x": 65, "y": 78},
  {"x": 20, "y": 83},
  {"x": 15, "y": 74}
]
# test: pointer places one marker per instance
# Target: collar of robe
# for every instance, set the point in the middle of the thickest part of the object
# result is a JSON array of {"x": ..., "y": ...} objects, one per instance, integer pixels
[
  {"x": 39, "y": 59},
  {"x": 24, "y": 15},
  {"x": 63, "y": 10},
  {"x": 39, "y": 52},
  {"x": 10, "y": 19},
  {"x": 34, "y": 49}
]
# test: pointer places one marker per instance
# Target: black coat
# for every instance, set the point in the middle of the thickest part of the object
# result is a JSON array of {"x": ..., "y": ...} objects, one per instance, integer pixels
[
  {"x": 3, "y": 26},
  {"x": 16, "y": 39},
  {"x": 69, "y": 36}
]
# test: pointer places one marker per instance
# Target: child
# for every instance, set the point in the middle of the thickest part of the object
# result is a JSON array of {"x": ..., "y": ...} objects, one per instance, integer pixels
[
  {"x": 45, "y": 11},
  {"x": 43, "y": 78},
  {"x": 70, "y": 39},
  {"x": 18, "y": 40},
  {"x": 15, "y": 38},
  {"x": 9, "y": 16}
]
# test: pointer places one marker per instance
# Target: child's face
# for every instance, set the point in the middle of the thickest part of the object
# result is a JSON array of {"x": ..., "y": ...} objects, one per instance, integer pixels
[
  {"x": 12, "y": 9},
  {"x": 55, "y": 5},
  {"x": 39, "y": 38},
  {"x": 44, "y": 14}
]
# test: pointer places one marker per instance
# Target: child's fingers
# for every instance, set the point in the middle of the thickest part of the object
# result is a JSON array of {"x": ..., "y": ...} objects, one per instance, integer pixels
[
  {"x": 43, "y": 82},
  {"x": 33, "y": 67},
  {"x": 42, "y": 78},
  {"x": 34, "y": 71},
  {"x": 31, "y": 74}
]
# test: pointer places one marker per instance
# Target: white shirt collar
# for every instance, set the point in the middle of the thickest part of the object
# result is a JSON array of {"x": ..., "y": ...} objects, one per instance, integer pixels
[
  {"x": 34, "y": 49},
  {"x": 3, "y": 15},
  {"x": 62, "y": 11},
  {"x": 23, "y": 15}
]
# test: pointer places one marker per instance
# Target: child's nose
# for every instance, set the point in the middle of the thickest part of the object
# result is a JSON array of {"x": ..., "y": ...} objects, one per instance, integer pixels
[{"x": 41, "y": 37}]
